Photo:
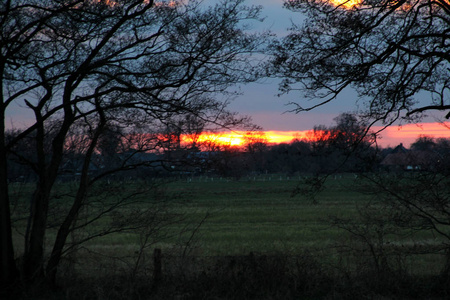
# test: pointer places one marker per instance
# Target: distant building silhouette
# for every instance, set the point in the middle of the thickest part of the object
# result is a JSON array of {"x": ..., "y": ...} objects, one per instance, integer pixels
[{"x": 403, "y": 159}]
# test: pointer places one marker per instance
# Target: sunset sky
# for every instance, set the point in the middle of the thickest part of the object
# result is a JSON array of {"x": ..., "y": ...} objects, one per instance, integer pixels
[
  {"x": 260, "y": 100},
  {"x": 270, "y": 111},
  {"x": 389, "y": 137}
]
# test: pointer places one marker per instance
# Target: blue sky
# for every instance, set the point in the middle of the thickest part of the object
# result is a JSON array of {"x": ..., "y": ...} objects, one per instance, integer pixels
[{"x": 260, "y": 100}]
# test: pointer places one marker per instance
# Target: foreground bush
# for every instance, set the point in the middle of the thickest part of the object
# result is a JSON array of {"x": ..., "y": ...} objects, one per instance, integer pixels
[{"x": 244, "y": 277}]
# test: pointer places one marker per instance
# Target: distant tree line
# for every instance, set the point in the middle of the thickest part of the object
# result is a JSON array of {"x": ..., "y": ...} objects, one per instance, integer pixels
[{"x": 346, "y": 146}]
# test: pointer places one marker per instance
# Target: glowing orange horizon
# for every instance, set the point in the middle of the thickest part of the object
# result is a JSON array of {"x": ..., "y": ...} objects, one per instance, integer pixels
[
  {"x": 347, "y": 4},
  {"x": 223, "y": 138},
  {"x": 408, "y": 133},
  {"x": 350, "y": 4},
  {"x": 391, "y": 136},
  {"x": 240, "y": 138}
]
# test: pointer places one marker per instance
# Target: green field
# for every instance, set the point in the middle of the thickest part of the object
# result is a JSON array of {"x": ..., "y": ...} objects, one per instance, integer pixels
[
  {"x": 253, "y": 214},
  {"x": 262, "y": 216},
  {"x": 225, "y": 217},
  {"x": 214, "y": 226},
  {"x": 218, "y": 216}
]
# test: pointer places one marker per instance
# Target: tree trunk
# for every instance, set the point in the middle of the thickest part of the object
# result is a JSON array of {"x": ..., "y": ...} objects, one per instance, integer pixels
[
  {"x": 8, "y": 269},
  {"x": 33, "y": 263},
  {"x": 78, "y": 202},
  {"x": 62, "y": 235},
  {"x": 33, "y": 271}
]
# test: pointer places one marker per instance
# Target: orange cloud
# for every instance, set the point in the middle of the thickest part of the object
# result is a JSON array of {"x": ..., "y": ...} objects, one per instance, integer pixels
[
  {"x": 228, "y": 139},
  {"x": 240, "y": 138},
  {"x": 391, "y": 136},
  {"x": 408, "y": 133},
  {"x": 347, "y": 4},
  {"x": 278, "y": 137}
]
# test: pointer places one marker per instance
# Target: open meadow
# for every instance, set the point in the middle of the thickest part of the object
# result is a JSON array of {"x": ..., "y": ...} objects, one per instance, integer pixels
[
  {"x": 228, "y": 230},
  {"x": 216, "y": 216},
  {"x": 261, "y": 214}
]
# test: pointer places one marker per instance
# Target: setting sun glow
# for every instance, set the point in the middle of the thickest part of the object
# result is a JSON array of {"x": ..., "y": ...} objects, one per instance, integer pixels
[
  {"x": 347, "y": 4},
  {"x": 408, "y": 133},
  {"x": 227, "y": 139},
  {"x": 391, "y": 136},
  {"x": 241, "y": 138}
]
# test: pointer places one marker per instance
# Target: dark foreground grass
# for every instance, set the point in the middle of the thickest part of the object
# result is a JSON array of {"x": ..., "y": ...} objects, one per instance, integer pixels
[{"x": 250, "y": 239}]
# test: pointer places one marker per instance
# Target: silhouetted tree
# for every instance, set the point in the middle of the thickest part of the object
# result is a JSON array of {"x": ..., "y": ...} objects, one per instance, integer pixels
[
  {"x": 101, "y": 64},
  {"x": 345, "y": 146},
  {"x": 423, "y": 143},
  {"x": 404, "y": 208},
  {"x": 255, "y": 146},
  {"x": 395, "y": 55},
  {"x": 296, "y": 156},
  {"x": 388, "y": 51}
]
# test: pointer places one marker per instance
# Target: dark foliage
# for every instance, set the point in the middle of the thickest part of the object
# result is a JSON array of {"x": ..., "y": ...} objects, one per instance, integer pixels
[{"x": 395, "y": 54}]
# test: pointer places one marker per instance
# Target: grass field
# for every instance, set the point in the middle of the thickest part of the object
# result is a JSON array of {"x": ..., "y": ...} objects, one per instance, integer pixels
[
  {"x": 262, "y": 216},
  {"x": 221, "y": 216},
  {"x": 219, "y": 221},
  {"x": 253, "y": 214}
]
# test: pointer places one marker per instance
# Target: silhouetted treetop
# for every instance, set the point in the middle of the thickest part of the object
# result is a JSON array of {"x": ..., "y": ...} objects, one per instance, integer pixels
[{"x": 388, "y": 51}]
